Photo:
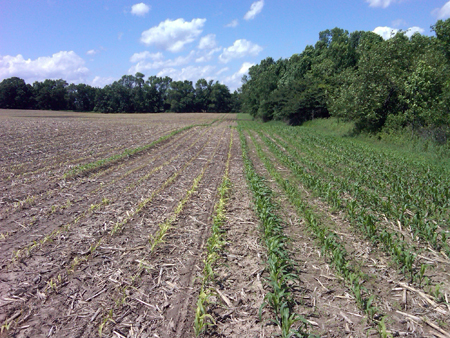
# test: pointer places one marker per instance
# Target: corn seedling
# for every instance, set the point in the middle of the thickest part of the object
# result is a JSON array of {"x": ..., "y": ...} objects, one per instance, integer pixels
[
  {"x": 105, "y": 320},
  {"x": 215, "y": 243},
  {"x": 279, "y": 264},
  {"x": 202, "y": 319}
]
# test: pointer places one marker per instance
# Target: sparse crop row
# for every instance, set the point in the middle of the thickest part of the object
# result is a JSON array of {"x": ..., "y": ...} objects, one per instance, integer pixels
[
  {"x": 158, "y": 237},
  {"x": 79, "y": 169},
  {"x": 118, "y": 225},
  {"x": 34, "y": 199},
  {"x": 28, "y": 249},
  {"x": 36, "y": 244},
  {"x": 54, "y": 283},
  {"x": 214, "y": 246},
  {"x": 280, "y": 266}
]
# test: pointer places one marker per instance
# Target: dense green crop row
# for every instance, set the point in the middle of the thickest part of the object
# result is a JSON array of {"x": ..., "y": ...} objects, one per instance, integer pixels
[
  {"x": 417, "y": 196},
  {"x": 280, "y": 266},
  {"x": 386, "y": 197},
  {"x": 329, "y": 241}
]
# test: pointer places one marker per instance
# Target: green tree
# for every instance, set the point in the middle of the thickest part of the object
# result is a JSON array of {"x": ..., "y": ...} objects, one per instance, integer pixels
[
  {"x": 15, "y": 94},
  {"x": 442, "y": 30},
  {"x": 80, "y": 97},
  {"x": 181, "y": 96},
  {"x": 50, "y": 94},
  {"x": 158, "y": 92},
  {"x": 203, "y": 90},
  {"x": 220, "y": 99}
]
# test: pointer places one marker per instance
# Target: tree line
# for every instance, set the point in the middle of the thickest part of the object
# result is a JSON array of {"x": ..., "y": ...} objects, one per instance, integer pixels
[
  {"x": 378, "y": 84},
  {"x": 130, "y": 94}
]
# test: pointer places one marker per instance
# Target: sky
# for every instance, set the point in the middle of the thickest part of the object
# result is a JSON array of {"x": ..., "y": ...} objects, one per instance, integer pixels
[{"x": 98, "y": 41}]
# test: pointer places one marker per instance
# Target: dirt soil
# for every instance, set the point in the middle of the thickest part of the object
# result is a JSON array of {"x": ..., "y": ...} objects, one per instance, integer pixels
[{"x": 80, "y": 254}]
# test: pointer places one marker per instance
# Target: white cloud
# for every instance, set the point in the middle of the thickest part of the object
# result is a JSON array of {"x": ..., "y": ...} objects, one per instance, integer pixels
[
  {"x": 388, "y": 32},
  {"x": 234, "y": 81},
  {"x": 239, "y": 49},
  {"x": 380, "y": 3},
  {"x": 208, "y": 56},
  {"x": 208, "y": 42},
  {"x": 93, "y": 52},
  {"x": 385, "y": 32},
  {"x": 143, "y": 66},
  {"x": 140, "y": 9},
  {"x": 412, "y": 30},
  {"x": 190, "y": 73},
  {"x": 223, "y": 70},
  {"x": 62, "y": 65},
  {"x": 136, "y": 57},
  {"x": 100, "y": 82},
  {"x": 233, "y": 23},
  {"x": 255, "y": 9},
  {"x": 173, "y": 35},
  {"x": 443, "y": 12}
]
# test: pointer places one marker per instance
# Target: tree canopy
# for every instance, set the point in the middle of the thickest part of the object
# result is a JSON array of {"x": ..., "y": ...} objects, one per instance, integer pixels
[
  {"x": 130, "y": 94},
  {"x": 359, "y": 77}
]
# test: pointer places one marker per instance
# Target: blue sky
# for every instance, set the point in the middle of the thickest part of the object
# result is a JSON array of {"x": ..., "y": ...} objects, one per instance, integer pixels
[{"x": 98, "y": 41}]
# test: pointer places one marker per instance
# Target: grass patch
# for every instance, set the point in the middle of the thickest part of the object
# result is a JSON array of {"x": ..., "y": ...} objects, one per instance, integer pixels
[{"x": 403, "y": 142}]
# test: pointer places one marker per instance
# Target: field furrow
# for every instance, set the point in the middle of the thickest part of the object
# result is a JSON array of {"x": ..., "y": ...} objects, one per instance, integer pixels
[
  {"x": 75, "y": 210},
  {"x": 69, "y": 262},
  {"x": 209, "y": 225}
]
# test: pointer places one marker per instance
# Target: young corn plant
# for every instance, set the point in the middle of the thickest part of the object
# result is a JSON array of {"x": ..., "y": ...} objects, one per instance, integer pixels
[
  {"x": 80, "y": 169},
  {"x": 214, "y": 245},
  {"x": 331, "y": 246},
  {"x": 165, "y": 226},
  {"x": 202, "y": 319},
  {"x": 279, "y": 264}
]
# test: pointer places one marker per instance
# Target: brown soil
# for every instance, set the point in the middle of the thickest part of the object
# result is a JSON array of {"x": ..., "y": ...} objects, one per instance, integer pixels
[
  {"x": 62, "y": 288},
  {"x": 238, "y": 272},
  {"x": 75, "y": 253}
]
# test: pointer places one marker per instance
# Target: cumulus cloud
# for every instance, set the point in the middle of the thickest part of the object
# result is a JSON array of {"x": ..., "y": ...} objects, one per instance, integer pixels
[
  {"x": 443, "y": 12},
  {"x": 173, "y": 35},
  {"x": 240, "y": 48},
  {"x": 388, "y": 32},
  {"x": 208, "y": 56},
  {"x": 380, "y": 3},
  {"x": 255, "y": 9},
  {"x": 63, "y": 65},
  {"x": 136, "y": 57},
  {"x": 190, "y": 73},
  {"x": 234, "y": 81},
  {"x": 233, "y": 23},
  {"x": 208, "y": 42},
  {"x": 140, "y": 9},
  {"x": 100, "y": 81},
  {"x": 412, "y": 30},
  {"x": 385, "y": 32},
  {"x": 158, "y": 63}
]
